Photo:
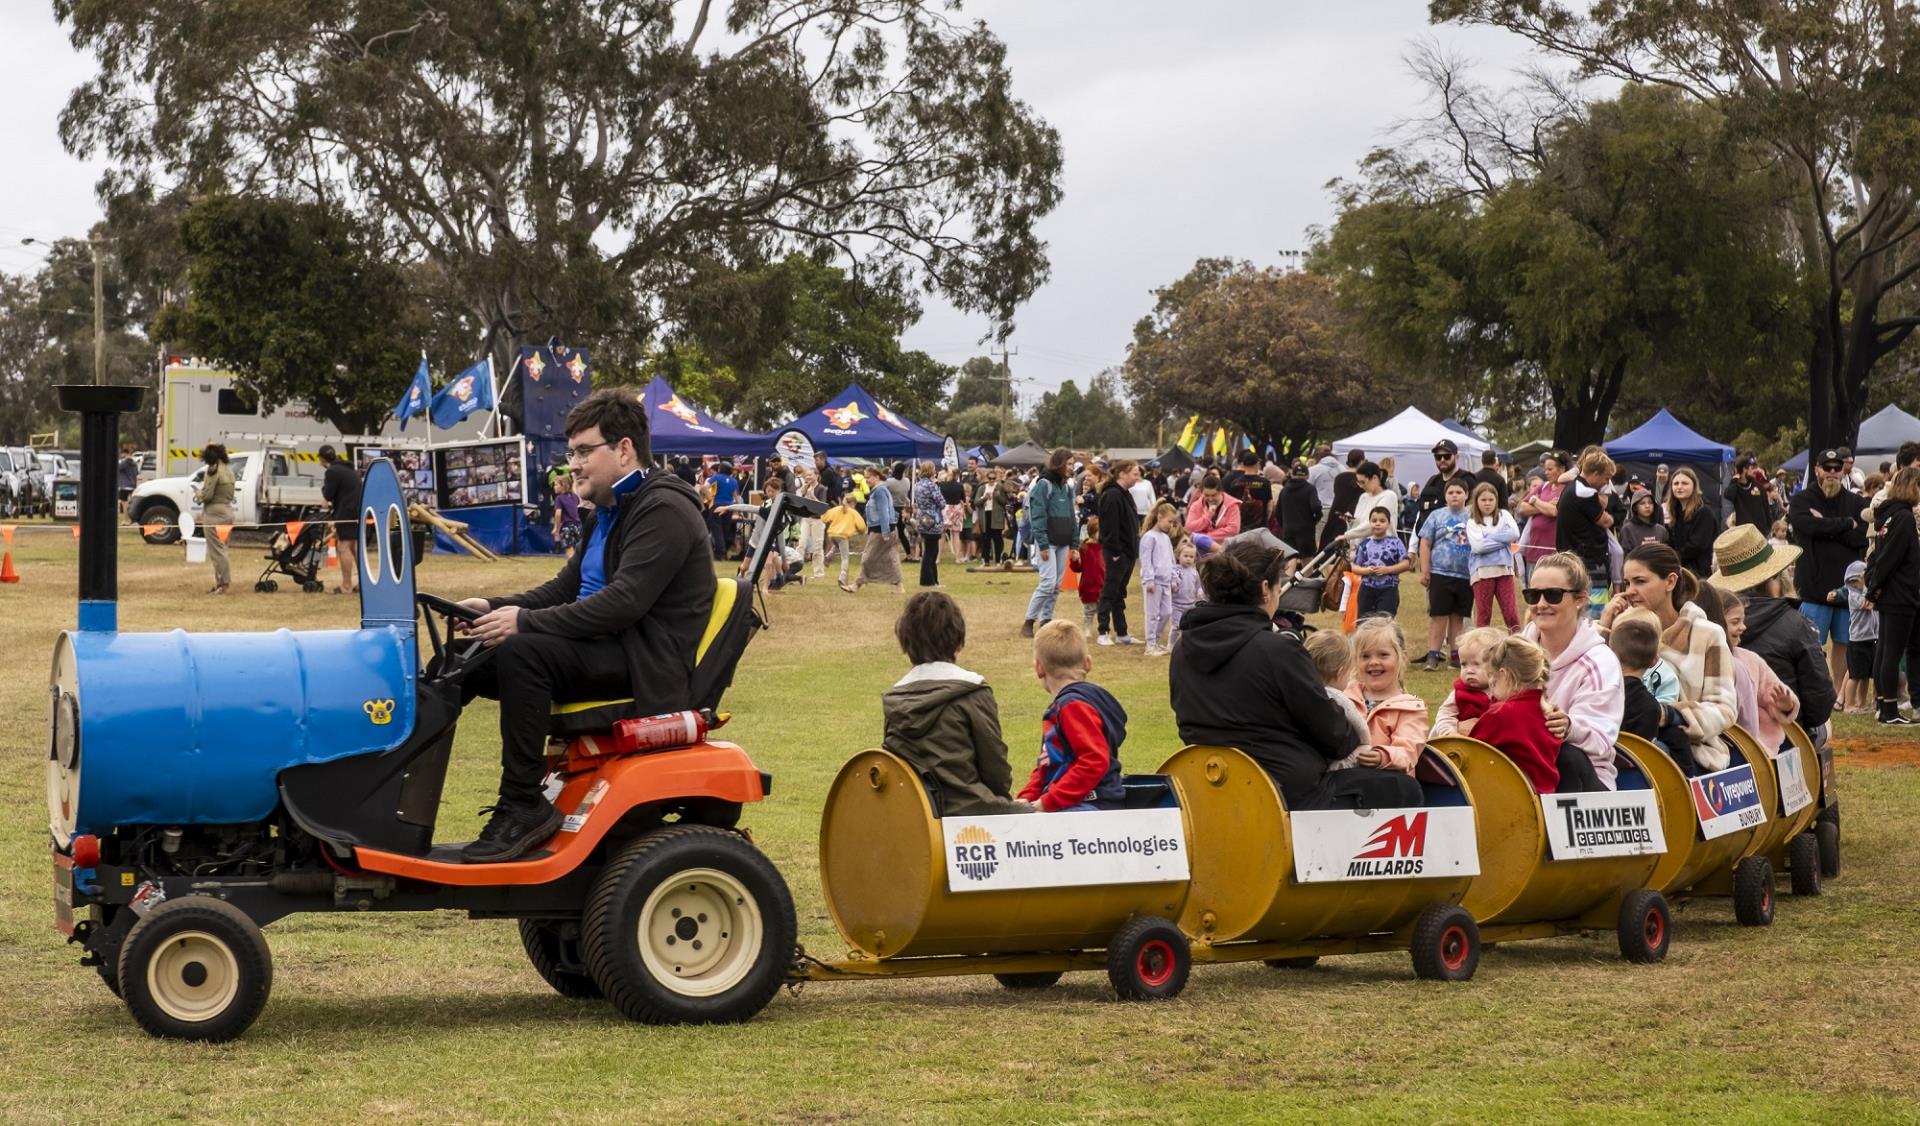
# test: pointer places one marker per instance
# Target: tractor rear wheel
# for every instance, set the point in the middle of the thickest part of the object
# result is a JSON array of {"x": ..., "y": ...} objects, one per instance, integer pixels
[
  {"x": 196, "y": 968},
  {"x": 554, "y": 949},
  {"x": 689, "y": 925}
]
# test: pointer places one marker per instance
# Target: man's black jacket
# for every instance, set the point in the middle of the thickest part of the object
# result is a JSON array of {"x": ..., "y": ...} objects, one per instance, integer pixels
[{"x": 658, "y": 594}]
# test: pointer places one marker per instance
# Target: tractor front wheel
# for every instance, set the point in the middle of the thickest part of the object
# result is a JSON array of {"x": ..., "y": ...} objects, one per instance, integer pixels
[{"x": 195, "y": 968}]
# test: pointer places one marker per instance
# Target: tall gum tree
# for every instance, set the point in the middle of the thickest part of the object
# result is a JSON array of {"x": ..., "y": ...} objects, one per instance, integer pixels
[{"x": 564, "y": 163}]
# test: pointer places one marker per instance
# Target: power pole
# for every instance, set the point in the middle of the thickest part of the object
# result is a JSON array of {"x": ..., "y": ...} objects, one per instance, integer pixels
[{"x": 1006, "y": 391}]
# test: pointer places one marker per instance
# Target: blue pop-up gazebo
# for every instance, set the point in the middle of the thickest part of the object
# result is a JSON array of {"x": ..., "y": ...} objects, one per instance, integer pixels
[
  {"x": 1665, "y": 440},
  {"x": 853, "y": 424},
  {"x": 679, "y": 427}
]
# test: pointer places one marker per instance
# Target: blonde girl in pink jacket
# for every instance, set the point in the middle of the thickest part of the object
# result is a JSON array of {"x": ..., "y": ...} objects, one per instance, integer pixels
[{"x": 1396, "y": 718}]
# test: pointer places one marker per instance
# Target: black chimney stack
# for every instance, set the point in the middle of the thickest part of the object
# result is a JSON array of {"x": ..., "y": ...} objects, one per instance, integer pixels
[{"x": 100, "y": 408}]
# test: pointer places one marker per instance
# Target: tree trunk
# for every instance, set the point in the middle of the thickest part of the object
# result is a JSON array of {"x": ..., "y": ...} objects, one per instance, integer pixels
[{"x": 1582, "y": 407}]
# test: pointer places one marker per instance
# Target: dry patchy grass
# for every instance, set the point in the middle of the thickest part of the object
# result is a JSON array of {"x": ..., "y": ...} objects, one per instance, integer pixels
[{"x": 436, "y": 1018}]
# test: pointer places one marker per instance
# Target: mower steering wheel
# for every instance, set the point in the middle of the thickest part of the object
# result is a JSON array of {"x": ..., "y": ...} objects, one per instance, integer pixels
[{"x": 452, "y": 659}]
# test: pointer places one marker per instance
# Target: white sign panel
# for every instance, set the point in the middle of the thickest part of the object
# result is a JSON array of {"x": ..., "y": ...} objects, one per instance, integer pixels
[
  {"x": 1727, "y": 801},
  {"x": 1331, "y": 845},
  {"x": 1053, "y": 850},
  {"x": 1794, "y": 793},
  {"x": 1603, "y": 823}
]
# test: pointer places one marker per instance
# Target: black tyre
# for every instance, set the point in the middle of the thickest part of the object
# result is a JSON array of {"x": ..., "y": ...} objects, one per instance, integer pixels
[
  {"x": 1029, "y": 981},
  {"x": 313, "y": 586},
  {"x": 1827, "y": 835},
  {"x": 1646, "y": 926},
  {"x": 689, "y": 925},
  {"x": 263, "y": 587},
  {"x": 196, "y": 968},
  {"x": 109, "y": 975},
  {"x": 1148, "y": 959},
  {"x": 1753, "y": 892},
  {"x": 1803, "y": 864},
  {"x": 1446, "y": 944},
  {"x": 164, "y": 520},
  {"x": 1303, "y": 962},
  {"x": 554, "y": 950}
]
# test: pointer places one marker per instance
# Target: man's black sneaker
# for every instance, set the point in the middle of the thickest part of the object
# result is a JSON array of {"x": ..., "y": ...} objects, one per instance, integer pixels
[
  {"x": 1895, "y": 720},
  {"x": 512, "y": 832}
]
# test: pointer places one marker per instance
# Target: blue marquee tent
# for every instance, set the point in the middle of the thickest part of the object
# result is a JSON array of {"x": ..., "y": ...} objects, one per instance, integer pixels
[
  {"x": 679, "y": 427},
  {"x": 1665, "y": 440},
  {"x": 853, "y": 424}
]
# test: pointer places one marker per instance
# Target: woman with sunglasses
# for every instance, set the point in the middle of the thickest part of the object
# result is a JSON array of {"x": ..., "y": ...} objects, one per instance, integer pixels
[
  {"x": 1689, "y": 641},
  {"x": 1584, "y": 685}
]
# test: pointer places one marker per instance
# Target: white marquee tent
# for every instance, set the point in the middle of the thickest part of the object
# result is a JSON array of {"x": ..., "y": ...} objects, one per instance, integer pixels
[{"x": 1408, "y": 438}]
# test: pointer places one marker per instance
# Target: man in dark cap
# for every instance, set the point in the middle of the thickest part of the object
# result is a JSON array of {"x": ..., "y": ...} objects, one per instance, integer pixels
[
  {"x": 1299, "y": 510},
  {"x": 1446, "y": 463},
  {"x": 1829, "y": 523}
]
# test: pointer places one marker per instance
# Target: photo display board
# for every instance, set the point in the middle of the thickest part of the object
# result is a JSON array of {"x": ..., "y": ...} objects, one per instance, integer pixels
[
  {"x": 483, "y": 473},
  {"x": 413, "y": 467}
]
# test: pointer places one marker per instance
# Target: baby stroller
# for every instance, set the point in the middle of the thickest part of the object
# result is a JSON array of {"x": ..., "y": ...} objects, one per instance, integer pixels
[
  {"x": 297, "y": 557},
  {"x": 1313, "y": 586}
]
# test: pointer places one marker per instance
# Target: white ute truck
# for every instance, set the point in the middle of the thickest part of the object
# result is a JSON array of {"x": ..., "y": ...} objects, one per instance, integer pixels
[{"x": 270, "y": 486}]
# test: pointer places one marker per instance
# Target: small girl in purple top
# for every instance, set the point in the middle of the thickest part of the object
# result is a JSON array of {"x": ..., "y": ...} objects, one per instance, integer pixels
[
  {"x": 1186, "y": 588},
  {"x": 566, "y": 514}
]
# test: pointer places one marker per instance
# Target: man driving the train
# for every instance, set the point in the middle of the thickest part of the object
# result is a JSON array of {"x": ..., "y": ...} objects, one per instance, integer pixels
[{"x": 622, "y": 618}]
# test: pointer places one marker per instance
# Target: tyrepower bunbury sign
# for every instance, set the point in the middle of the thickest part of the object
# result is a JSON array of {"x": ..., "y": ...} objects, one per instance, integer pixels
[
  {"x": 1052, "y": 850},
  {"x": 1727, "y": 801}
]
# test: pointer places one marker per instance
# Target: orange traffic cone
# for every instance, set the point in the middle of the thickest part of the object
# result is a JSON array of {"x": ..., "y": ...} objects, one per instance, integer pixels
[
  {"x": 7, "y": 573},
  {"x": 333, "y": 556}
]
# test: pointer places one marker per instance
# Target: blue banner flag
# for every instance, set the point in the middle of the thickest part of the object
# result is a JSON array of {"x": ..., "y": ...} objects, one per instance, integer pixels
[
  {"x": 415, "y": 400},
  {"x": 470, "y": 391}
]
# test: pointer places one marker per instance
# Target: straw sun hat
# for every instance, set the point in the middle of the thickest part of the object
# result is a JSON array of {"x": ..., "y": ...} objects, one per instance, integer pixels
[{"x": 1743, "y": 559}]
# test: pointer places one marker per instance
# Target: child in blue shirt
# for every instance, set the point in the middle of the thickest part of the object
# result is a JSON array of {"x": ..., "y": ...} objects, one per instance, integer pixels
[
  {"x": 1081, "y": 732},
  {"x": 1380, "y": 560}
]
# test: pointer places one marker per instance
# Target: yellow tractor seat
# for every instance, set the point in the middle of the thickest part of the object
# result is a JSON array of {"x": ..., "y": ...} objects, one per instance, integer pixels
[{"x": 730, "y": 625}]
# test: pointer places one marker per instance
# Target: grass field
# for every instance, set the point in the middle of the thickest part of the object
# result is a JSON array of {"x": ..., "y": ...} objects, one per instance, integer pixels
[{"x": 434, "y": 1017}]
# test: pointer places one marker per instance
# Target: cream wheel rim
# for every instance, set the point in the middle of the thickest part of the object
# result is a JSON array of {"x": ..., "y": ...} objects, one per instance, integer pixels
[
  {"x": 700, "y": 932},
  {"x": 194, "y": 977}
]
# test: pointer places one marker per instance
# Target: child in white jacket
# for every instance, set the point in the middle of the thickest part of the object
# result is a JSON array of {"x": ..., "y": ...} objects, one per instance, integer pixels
[
  {"x": 1157, "y": 573},
  {"x": 1491, "y": 534}
]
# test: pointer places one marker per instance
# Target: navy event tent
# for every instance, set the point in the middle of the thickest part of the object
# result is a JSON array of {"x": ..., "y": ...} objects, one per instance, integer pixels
[
  {"x": 1664, "y": 439},
  {"x": 679, "y": 427},
  {"x": 853, "y": 424}
]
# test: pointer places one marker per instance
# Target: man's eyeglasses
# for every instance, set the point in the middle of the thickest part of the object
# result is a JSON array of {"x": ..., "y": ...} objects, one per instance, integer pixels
[
  {"x": 1551, "y": 594},
  {"x": 579, "y": 453}
]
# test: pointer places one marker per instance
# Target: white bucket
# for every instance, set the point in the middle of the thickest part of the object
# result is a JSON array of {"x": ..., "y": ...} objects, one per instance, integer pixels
[{"x": 196, "y": 551}]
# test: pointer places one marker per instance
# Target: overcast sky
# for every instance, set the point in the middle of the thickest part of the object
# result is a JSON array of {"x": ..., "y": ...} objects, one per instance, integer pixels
[{"x": 1209, "y": 128}]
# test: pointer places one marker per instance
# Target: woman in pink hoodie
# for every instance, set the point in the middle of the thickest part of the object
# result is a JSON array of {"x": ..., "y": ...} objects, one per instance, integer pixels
[
  {"x": 1214, "y": 513},
  {"x": 1396, "y": 718},
  {"x": 1583, "y": 682}
]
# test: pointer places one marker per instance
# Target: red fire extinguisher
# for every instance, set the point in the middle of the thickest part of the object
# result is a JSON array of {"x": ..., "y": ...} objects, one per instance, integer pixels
[{"x": 661, "y": 732}]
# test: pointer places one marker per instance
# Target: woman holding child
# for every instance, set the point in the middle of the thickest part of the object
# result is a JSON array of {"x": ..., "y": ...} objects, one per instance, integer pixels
[
  {"x": 1238, "y": 682},
  {"x": 1584, "y": 686}
]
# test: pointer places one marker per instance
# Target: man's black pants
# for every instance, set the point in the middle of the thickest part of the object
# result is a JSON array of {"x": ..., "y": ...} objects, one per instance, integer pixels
[
  {"x": 1113, "y": 595},
  {"x": 528, "y": 672}
]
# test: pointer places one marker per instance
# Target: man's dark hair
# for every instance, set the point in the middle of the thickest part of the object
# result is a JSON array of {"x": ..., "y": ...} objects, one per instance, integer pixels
[
  {"x": 899, "y": 469},
  {"x": 931, "y": 628},
  {"x": 213, "y": 453},
  {"x": 1355, "y": 457},
  {"x": 1908, "y": 453},
  {"x": 328, "y": 455},
  {"x": 619, "y": 413},
  {"x": 1249, "y": 458},
  {"x": 1488, "y": 457}
]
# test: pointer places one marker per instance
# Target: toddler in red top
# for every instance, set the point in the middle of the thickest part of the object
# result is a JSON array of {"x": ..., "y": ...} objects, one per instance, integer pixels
[
  {"x": 1469, "y": 700},
  {"x": 1091, "y": 562},
  {"x": 1516, "y": 724},
  {"x": 1081, "y": 732}
]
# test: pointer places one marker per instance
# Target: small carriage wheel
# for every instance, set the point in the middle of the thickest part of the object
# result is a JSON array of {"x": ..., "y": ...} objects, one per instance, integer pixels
[
  {"x": 1753, "y": 892},
  {"x": 1148, "y": 959},
  {"x": 1446, "y": 943},
  {"x": 1646, "y": 926}
]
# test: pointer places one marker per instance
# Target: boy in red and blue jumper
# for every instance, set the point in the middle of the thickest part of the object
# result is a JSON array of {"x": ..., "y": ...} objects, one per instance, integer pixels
[{"x": 1081, "y": 732}]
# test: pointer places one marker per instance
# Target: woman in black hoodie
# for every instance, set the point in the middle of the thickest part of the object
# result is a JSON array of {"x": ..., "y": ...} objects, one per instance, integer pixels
[
  {"x": 1893, "y": 587},
  {"x": 1691, "y": 526},
  {"x": 1238, "y": 682}
]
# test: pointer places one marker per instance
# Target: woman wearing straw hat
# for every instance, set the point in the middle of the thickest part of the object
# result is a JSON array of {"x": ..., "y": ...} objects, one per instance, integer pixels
[
  {"x": 1755, "y": 572},
  {"x": 1893, "y": 588}
]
